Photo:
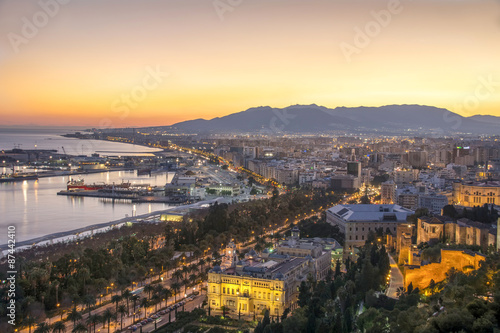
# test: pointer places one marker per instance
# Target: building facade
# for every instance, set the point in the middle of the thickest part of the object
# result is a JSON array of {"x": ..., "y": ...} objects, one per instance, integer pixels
[
  {"x": 472, "y": 194},
  {"x": 357, "y": 221}
]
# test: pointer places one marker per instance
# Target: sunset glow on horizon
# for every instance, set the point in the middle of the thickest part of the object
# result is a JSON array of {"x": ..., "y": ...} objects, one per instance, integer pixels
[{"x": 143, "y": 63}]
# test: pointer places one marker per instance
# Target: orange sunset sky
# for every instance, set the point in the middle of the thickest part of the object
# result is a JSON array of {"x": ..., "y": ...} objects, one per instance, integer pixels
[{"x": 87, "y": 58}]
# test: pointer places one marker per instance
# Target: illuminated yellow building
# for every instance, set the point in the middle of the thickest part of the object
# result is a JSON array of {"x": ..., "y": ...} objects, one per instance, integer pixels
[
  {"x": 253, "y": 286},
  {"x": 476, "y": 193}
]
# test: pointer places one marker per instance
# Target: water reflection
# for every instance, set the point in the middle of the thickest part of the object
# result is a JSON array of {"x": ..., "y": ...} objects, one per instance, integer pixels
[{"x": 36, "y": 209}]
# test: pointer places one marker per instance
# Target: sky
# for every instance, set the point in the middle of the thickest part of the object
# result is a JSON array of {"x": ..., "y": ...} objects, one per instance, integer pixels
[{"x": 120, "y": 63}]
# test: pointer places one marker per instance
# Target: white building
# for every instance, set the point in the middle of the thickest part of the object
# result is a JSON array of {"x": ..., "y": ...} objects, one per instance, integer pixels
[{"x": 357, "y": 221}]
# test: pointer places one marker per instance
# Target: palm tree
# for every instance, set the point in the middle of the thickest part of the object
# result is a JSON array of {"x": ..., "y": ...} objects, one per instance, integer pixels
[
  {"x": 126, "y": 294},
  {"x": 74, "y": 315},
  {"x": 134, "y": 299},
  {"x": 106, "y": 317},
  {"x": 177, "y": 275},
  {"x": 116, "y": 299},
  {"x": 176, "y": 286},
  {"x": 185, "y": 282},
  {"x": 122, "y": 310},
  {"x": 42, "y": 328},
  {"x": 156, "y": 299},
  {"x": 185, "y": 270},
  {"x": 202, "y": 264},
  {"x": 58, "y": 327},
  {"x": 89, "y": 300},
  {"x": 30, "y": 321},
  {"x": 145, "y": 304},
  {"x": 79, "y": 328},
  {"x": 168, "y": 293},
  {"x": 92, "y": 321},
  {"x": 192, "y": 278},
  {"x": 148, "y": 289}
]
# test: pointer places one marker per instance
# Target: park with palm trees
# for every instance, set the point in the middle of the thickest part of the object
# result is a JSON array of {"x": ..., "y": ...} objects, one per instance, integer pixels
[{"x": 55, "y": 282}]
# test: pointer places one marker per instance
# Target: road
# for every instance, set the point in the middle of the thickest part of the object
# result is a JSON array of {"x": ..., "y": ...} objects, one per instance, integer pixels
[
  {"x": 128, "y": 319},
  {"x": 397, "y": 280},
  {"x": 150, "y": 327}
]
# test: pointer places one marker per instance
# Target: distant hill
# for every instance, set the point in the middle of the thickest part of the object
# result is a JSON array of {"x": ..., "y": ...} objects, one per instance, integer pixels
[
  {"x": 486, "y": 119},
  {"x": 314, "y": 119}
]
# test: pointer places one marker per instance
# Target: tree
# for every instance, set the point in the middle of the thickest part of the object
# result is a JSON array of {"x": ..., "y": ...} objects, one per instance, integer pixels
[
  {"x": 122, "y": 310},
  {"x": 304, "y": 294},
  {"x": 93, "y": 320},
  {"x": 58, "y": 327},
  {"x": 177, "y": 275},
  {"x": 42, "y": 328},
  {"x": 134, "y": 299},
  {"x": 145, "y": 304},
  {"x": 106, "y": 318},
  {"x": 175, "y": 287},
  {"x": 79, "y": 328},
  {"x": 30, "y": 321},
  {"x": 148, "y": 289},
  {"x": 116, "y": 299},
  {"x": 126, "y": 294},
  {"x": 74, "y": 315},
  {"x": 89, "y": 300}
]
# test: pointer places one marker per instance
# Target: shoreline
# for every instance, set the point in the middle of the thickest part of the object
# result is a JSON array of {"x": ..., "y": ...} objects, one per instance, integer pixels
[{"x": 65, "y": 236}]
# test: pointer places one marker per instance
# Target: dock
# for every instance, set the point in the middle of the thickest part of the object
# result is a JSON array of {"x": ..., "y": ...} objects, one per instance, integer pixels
[{"x": 133, "y": 196}]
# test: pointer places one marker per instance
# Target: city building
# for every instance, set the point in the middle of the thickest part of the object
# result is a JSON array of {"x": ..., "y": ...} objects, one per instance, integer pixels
[
  {"x": 470, "y": 194},
  {"x": 463, "y": 231},
  {"x": 417, "y": 159},
  {"x": 270, "y": 280},
  {"x": 253, "y": 285},
  {"x": 433, "y": 202},
  {"x": 357, "y": 221},
  {"x": 388, "y": 192},
  {"x": 354, "y": 168},
  {"x": 345, "y": 182},
  {"x": 405, "y": 176}
]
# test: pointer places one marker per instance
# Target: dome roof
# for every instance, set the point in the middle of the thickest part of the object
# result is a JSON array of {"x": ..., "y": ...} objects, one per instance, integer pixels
[{"x": 217, "y": 269}]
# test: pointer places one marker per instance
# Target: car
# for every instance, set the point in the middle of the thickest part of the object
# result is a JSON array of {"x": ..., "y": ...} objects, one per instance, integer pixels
[
  {"x": 162, "y": 312},
  {"x": 155, "y": 316},
  {"x": 138, "y": 324},
  {"x": 150, "y": 320},
  {"x": 158, "y": 320}
]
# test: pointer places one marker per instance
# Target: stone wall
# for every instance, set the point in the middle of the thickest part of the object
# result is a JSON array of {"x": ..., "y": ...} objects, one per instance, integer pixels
[{"x": 462, "y": 260}]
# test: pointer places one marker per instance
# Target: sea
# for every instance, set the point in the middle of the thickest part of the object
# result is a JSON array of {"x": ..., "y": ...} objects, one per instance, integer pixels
[{"x": 33, "y": 206}]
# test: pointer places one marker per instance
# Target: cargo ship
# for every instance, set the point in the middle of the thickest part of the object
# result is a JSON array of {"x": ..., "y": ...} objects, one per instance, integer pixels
[{"x": 79, "y": 185}]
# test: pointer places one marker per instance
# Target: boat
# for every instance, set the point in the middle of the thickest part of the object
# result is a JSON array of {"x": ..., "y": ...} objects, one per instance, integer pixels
[
  {"x": 79, "y": 185},
  {"x": 17, "y": 177}
]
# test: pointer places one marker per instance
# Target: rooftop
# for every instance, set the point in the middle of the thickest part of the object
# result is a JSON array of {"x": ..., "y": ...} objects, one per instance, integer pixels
[{"x": 370, "y": 212}]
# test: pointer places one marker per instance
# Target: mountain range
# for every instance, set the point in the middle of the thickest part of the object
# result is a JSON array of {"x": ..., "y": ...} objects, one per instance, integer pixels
[{"x": 320, "y": 119}]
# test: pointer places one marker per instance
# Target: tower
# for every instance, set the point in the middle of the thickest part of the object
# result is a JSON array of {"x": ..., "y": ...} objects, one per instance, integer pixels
[{"x": 230, "y": 257}]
